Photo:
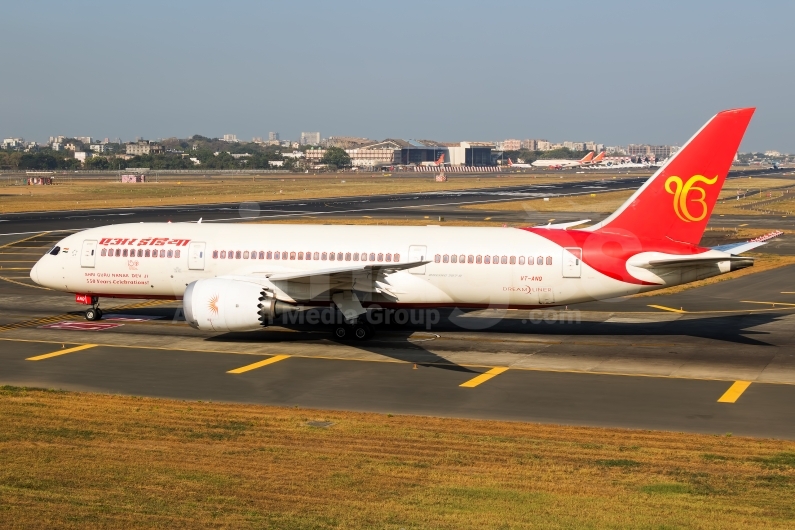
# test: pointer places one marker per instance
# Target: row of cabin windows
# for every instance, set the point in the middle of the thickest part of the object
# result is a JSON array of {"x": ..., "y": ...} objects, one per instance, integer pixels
[
  {"x": 317, "y": 256},
  {"x": 495, "y": 260},
  {"x": 140, "y": 253}
]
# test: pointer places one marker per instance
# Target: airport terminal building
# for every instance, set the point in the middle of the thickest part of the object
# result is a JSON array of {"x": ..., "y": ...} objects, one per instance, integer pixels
[{"x": 392, "y": 152}]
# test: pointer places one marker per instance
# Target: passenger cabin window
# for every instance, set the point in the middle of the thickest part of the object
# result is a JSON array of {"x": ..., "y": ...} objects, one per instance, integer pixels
[
  {"x": 453, "y": 259},
  {"x": 479, "y": 259},
  {"x": 237, "y": 255},
  {"x": 540, "y": 260},
  {"x": 176, "y": 253},
  {"x": 245, "y": 254},
  {"x": 389, "y": 257},
  {"x": 163, "y": 253},
  {"x": 504, "y": 260},
  {"x": 103, "y": 253},
  {"x": 347, "y": 256},
  {"x": 487, "y": 259},
  {"x": 397, "y": 257},
  {"x": 316, "y": 255},
  {"x": 372, "y": 256},
  {"x": 549, "y": 260},
  {"x": 444, "y": 259},
  {"x": 292, "y": 255},
  {"x": 170, "y": 254},
  {"x": 513, "y": 260},
  {"x": 355, "y": 256},
  {"x": 521, "y": 260},
  {"x": 331, "y": 256}
]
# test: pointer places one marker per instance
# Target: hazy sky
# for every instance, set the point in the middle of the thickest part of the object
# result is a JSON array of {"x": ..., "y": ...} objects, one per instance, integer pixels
[{"x": 612, "y": 72}]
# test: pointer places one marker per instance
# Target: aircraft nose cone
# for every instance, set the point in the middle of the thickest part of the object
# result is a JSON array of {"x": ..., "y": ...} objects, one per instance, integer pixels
[{"x": 34, "y": 273}]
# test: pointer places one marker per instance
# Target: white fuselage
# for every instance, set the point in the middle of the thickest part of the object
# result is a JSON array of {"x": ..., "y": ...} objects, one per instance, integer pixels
[
  {"x": 556, "y": 163},
  {"x": 159, "y": 260}
]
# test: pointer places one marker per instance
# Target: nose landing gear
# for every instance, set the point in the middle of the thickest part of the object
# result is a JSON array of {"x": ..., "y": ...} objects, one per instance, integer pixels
[{"x": 94, "y": 313}]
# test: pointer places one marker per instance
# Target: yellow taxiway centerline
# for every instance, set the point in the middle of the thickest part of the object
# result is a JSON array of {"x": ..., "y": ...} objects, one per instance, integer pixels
[
  {"x": 61, "y": 352},
  {"x": 768, "y": 303},
  {"x": 734, "y": 392},
  {"x": 671, "y": 309},
  {"x": 482, "y": 378},
  {"x": 254, "y": 366}
]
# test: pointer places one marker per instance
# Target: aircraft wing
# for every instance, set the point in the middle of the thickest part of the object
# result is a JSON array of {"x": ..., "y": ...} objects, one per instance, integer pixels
[
  {"x": 739, "y": 248},
  {"x": 344, "y": 273}
]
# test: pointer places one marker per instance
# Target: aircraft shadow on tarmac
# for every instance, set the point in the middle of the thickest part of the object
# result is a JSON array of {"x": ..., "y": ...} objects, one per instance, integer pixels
[{"x": 407, "y": 342}]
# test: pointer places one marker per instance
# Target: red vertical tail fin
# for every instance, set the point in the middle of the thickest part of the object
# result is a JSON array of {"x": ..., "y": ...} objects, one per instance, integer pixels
[
  {"x": 587, "y": 158},
  {"x": 599, "y": 157},
  {"x": 440, "y": 160},
  {"x": 676, "y": 202}
]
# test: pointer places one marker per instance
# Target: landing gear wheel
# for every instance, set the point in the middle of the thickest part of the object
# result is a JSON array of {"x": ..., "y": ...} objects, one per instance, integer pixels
[
  {"x": 99, "y": 314},
  {"x": 91, "y": 314},
  {"x": 342, "y": 332},
  {"x": 362, "y": 331}
]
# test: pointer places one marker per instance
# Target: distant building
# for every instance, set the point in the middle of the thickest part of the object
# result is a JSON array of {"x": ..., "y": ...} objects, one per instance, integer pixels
[
  {"x": 143, "y": 147},
  {"x": 645, "y": 150},
  {"x": 57, "y": 139},
  {"x": 230, "y": 138},
  {"x": 273, "y": 136},
  {"x": 13, "y": 143},
  {"x": 511, "y": 145},
  {"x": 98, "y": 148},
  {"x": 56, "y": 146},
  {"x": 772, "y": 153},
  {"x": 543, "y": 145},
  {"x": 310, "y": 138},
  {"x": 238, "y": 156},
  {"x": 85, "y": 139},
  {"x": 71, "y": 146},
  {"x": 82, "y": 156},
  {"x": 275, "y": 163},
  {"x": 258, "y": 140}
]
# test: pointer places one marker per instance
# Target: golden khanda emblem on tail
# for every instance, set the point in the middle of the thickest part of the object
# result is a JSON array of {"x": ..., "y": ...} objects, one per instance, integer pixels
[
  {"x": 681, "y": 192},
  {"x": 213, "y": 304}
]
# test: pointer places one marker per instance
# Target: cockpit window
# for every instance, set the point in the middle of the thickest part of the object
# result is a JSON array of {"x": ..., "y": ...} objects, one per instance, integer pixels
[{"x": 55, "y": 250}]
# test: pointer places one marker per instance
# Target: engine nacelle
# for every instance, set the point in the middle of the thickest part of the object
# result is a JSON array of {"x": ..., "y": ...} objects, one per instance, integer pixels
[{"x": 218, "y": 304}]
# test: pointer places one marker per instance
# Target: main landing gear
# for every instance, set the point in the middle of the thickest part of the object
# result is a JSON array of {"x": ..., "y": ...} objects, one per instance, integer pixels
[
  {"x": 355, "y": 326},
  {"x": 358, "y": 330}
]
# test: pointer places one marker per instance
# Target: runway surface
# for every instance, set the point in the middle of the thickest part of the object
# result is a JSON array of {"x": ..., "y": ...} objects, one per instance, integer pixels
[
  {"x": 716, "y": 359},
  {"x": 432, "y": 205}
]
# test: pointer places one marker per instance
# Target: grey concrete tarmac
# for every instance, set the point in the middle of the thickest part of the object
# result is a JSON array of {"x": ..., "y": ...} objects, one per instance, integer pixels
[{"x": 399, "y": 388}]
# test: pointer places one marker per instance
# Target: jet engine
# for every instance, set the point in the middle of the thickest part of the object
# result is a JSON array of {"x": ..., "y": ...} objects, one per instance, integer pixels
[{"x": 218, "y": 304}]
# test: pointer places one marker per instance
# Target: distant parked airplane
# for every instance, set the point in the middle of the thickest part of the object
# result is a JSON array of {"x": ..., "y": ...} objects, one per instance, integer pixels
[
  {"x": 561, "y": 163},
  {"x": 518, "y": 166},
  {"x": 439, "y": 162}
]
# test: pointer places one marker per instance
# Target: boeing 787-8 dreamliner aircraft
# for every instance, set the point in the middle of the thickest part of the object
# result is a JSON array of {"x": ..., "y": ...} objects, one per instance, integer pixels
[{"x": 239, "y": 277}]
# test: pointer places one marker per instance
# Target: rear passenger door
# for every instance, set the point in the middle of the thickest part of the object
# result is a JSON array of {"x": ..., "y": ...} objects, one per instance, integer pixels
[{"x": 572, "y": 262}]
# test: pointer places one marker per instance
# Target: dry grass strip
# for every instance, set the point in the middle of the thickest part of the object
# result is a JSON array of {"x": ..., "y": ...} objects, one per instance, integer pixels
[
  {"x": 77, "y": 195},
  {"x": 72, "y": 460}
]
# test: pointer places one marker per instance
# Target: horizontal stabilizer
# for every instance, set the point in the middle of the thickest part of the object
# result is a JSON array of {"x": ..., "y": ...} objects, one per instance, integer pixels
[
  {"x": 564, "y": 226},
  {"x": 739, "y": 248},
  {"x": 655, "y": 260}
]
